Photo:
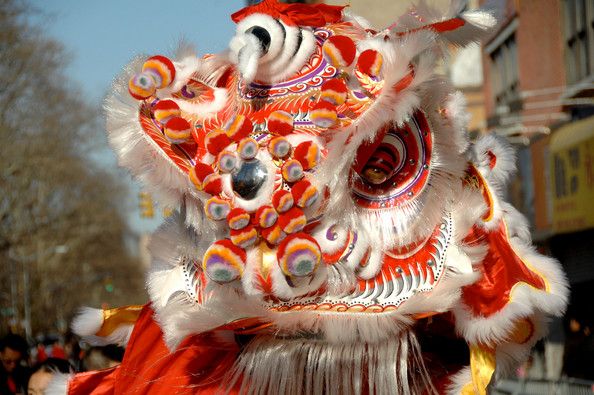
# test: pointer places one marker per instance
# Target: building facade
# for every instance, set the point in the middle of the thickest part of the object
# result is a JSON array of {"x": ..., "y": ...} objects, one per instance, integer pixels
[{"x": 539, "y": 93}]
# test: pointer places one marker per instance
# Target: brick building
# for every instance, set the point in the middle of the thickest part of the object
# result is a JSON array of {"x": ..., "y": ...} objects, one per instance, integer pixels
[{"x": 539, "y": 93}]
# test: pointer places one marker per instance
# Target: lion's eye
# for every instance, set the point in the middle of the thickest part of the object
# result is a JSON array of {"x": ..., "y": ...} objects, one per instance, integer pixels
[
  {"x": 395, "y": 167},
  {"x": 248, "y": 180},
  {"x": 386, "y": 160}
]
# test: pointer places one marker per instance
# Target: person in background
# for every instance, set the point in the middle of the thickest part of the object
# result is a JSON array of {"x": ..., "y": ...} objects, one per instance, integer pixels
[
  {"x": 43, "y": 373},
  {"x": 13, "y": 375}
]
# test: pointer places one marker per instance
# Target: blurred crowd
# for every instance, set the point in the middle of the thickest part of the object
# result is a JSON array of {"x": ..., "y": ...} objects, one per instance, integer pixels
[{"x": 28, "y": 368}]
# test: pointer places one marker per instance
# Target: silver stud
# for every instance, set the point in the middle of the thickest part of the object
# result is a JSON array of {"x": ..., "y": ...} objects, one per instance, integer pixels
[
  {"x": 430, "y": 262},
  {"x": 410, "y": 193},
  {"x": 442, "y": 226},
  {"x": 425, "y": 166},
  {"x": 399, "y": 270},
  {"x": 411, "y": 161}
]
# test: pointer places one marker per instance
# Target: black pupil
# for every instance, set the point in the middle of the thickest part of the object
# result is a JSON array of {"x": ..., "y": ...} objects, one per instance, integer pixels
[{"x": 248, "y": 180}]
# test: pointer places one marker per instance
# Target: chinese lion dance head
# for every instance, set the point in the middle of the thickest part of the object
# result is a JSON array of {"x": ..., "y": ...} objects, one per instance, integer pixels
[{"x": 333, "y": 214}]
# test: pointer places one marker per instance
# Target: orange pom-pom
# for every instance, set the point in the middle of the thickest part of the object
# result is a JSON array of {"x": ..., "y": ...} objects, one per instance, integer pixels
[
  {"x": 292, "y": 170},
  {"x": 279, "y": 147},
  {"x": 217, "y": 208},
  {"x": 227, "y": 161},
  {"x": 142, "y": 86},
  {"x": 247, "y": 148}
]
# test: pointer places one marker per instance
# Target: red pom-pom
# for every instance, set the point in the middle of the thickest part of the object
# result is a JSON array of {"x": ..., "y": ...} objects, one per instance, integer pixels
[
  {"x": 178, "y": 130},
  {"x": 244, "y": 237},
  {"x": 323, "y": 114},
  {"x": 282, "y": 200},
  {"x": 238, "y": 218},
  {"x": 213, "y": 184},
  {"x": 304, "y": 193},
  {"x": 292, "y": 221},
  {"x": 274, "y": 235},
  {"x": 239, "y": 127},
  {"x": 308, "y": 154},
  {"x": 280, "y": 122},
  {"x": 334, "y": 91},
  {"x": 266, "y": 216},
  {"x": 370, "y": 62},
  {"x": 216, "y": 141},
  {"x": 198, "y": 174},
  {"x": 161, "y": 69},
  {"x": 339, "y": 51},
  {"x": 165, "y": 110}
]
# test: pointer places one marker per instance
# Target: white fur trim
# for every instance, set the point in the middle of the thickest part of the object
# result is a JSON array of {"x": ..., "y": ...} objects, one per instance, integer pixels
[
  {"x": 525, "y": 301},
  {"x": 505, "y": 160},
  {"x": 58, "y": 385},
  {"x": 87, "y": 322},
  {"x": 458, "y": 381}
]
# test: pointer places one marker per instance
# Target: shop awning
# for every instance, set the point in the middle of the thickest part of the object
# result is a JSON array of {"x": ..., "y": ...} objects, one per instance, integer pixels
[{"x": 571, "y": 134}]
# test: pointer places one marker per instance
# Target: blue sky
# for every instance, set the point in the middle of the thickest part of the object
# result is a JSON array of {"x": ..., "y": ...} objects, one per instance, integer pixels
[{"x": 101, "y": 36}]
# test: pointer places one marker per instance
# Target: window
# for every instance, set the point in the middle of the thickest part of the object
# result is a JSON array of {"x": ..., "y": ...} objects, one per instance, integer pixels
[
  {"x": 504, "y": 66},
  {"x": 579, "y": 39}
]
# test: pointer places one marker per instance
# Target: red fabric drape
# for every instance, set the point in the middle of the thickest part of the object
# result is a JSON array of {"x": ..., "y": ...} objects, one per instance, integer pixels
[{"x": 196, "y": 367}]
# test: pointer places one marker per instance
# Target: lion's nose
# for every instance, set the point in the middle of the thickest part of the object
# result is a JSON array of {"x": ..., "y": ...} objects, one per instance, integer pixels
[{"x": 249, "y": 179}]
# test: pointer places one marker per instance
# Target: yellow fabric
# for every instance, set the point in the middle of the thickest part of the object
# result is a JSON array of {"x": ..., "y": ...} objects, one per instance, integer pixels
[
  {"x": 572, "y": 179},
  {"x": 113, "y": 318},
  {"x": 482, "y": 367}
]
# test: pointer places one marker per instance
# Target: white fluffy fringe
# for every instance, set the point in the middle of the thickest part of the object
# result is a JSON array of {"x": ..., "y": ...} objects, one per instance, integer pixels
[
  {"x": 294, "y": 366},
  {"x": 58, "y": 385},
  {"x": 89, "y": 321}
]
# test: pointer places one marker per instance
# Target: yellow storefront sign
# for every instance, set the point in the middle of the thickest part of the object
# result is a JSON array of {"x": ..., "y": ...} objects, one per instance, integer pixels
[{"x": 572, "y": 176}]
